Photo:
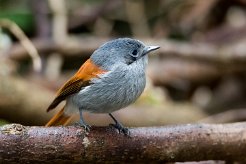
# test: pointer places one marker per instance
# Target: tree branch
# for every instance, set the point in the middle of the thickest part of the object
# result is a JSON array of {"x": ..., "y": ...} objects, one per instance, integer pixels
[
  {"x": 223, "y": 54},
  {"x": 172, "y": 143},
  {"x": 232, "y": 115}
]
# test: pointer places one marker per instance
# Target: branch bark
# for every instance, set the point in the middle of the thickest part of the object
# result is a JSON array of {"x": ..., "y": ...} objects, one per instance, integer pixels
[{"x": 173, "y": 143}]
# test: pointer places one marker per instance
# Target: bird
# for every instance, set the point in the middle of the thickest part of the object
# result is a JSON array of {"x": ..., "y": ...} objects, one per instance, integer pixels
[{"x": 112, "y": 78}]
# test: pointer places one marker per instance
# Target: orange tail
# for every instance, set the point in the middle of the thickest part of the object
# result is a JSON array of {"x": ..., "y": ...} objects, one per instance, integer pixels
[{"x": 59, "y": 118}]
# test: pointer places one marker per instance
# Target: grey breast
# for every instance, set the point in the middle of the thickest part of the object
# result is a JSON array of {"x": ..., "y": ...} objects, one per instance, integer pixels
[{"x": 114, "y": 90}]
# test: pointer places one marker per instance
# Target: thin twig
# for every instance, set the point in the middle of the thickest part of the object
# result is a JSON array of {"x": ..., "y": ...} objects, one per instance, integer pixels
[{"x": 25, "y": 42}]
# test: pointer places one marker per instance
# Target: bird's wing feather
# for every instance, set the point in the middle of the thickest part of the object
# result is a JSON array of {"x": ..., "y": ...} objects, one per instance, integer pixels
[{"x": 81, "y": 79}]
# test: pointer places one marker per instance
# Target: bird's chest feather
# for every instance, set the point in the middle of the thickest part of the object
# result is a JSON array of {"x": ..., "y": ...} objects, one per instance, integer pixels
[{"x": 112, "y": 91}]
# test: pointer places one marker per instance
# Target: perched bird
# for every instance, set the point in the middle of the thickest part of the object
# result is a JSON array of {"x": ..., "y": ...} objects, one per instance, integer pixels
[{"x": 112, "y": 78}]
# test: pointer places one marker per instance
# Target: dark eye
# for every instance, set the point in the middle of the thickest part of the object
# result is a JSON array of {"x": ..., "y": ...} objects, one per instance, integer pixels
[
  {"x": 132, "y": 57},
  {"x": 134, "y": 52}
]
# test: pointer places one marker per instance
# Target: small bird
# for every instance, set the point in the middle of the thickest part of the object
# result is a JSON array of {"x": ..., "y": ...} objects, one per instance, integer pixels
[{"x": 112, "y": 78}]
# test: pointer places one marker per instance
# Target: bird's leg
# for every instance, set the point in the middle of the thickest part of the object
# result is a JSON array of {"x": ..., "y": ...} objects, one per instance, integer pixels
[
  {"x": 82, "y": 122},
  {"x": 119, "y": 126}
]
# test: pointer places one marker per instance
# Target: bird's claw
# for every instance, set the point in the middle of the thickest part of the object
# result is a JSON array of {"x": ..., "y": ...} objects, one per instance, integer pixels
[
  {"x": 121, "y": 129},
  {"x": 84, "y": 125}
]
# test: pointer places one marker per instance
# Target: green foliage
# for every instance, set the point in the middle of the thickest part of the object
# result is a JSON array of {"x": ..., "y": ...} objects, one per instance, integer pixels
[
  {"x": 19, "y": 12},
  {"x": 3, "y": 122}
]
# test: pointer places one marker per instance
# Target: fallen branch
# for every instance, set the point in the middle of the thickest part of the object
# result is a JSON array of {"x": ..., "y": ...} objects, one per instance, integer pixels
[
  {"x": 232, "y": 115},
  {"x": 47, "y": 46},
  {"x": 22, "y": 100},
  {"x": 173, "y": 143},
  {"x": 197, "y": 51}
]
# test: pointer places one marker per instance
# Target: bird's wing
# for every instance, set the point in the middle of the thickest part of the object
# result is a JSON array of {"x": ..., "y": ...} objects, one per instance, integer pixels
[{"x": 81, "y": 79}]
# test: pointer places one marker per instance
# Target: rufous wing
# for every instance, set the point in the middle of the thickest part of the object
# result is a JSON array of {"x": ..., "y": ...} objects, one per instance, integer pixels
[{"x": 81, "y": 79}]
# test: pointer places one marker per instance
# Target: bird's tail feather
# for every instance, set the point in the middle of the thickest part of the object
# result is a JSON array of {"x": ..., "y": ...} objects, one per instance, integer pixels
[{"x": 59, "y": 118}]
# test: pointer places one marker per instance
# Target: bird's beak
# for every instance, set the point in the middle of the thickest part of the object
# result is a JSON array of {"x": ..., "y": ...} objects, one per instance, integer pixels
[{"x": 148, "y": 49}]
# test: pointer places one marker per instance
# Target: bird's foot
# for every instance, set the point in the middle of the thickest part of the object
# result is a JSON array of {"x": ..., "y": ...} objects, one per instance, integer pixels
[
  {"x": 84, "y": 125},
  {"x": 121, "y": 128}
]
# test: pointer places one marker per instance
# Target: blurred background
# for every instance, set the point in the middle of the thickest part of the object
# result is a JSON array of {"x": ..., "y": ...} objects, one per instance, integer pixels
[{"x": 198, "y": 74}]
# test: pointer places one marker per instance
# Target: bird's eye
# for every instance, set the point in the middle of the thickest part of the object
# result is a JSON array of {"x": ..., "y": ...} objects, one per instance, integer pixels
[
  {"x": 132, "y": 57},
  {"x": 134, "y": 53}
]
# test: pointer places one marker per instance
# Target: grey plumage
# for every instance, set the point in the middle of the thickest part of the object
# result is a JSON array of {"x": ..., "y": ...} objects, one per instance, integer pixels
[
  {"x": 119, "y": 87},
  {"x": 113, "y": 90}
]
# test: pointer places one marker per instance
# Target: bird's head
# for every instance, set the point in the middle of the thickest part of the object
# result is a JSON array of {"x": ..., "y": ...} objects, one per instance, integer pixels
[{"x": 124, "y": 51}]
